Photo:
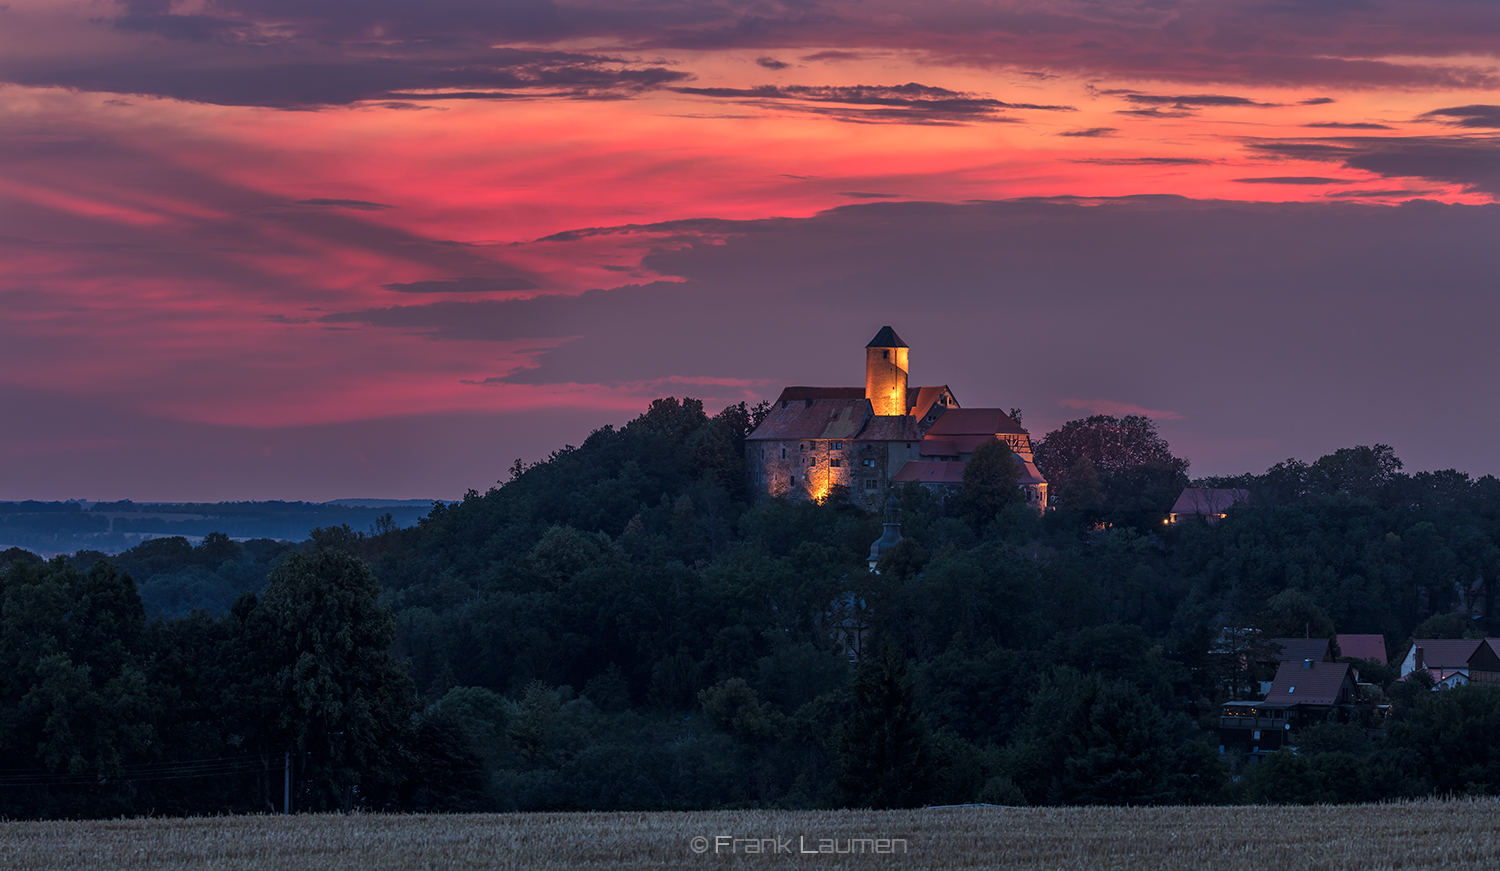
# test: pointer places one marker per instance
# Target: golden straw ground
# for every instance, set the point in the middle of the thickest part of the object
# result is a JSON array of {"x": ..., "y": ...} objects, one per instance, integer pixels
[{"x": 1449, "y": 835}]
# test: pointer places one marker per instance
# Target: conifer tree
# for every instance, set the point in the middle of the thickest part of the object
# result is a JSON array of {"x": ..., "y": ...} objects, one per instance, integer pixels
[{"x": 884, "y": 747}]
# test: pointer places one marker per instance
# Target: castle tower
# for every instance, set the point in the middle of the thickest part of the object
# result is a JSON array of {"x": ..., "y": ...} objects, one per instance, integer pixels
[{"x": 885, "y": 372}]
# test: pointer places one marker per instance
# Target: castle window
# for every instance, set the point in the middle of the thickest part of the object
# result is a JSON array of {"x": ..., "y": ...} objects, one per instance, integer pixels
[
  {"x": 869, "y": 463},
  {"x": 835, "y": 462},
  {"x": 871, "y": 483},
  {"x": 838, "y": 446},
  {"x": 801, "y": 446},
  {"x": 812, "y": 461},
  {"x": 886, "y": 354},
  {"x": 792, "y": 481},
  {"x": 783, "y": 452}
]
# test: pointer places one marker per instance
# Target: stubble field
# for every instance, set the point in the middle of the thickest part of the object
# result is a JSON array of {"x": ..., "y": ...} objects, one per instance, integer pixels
[{"x": 1449, "y": 835}]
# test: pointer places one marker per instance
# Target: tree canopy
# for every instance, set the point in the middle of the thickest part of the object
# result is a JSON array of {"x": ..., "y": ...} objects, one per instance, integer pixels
[{"x": 622, "y": 626}]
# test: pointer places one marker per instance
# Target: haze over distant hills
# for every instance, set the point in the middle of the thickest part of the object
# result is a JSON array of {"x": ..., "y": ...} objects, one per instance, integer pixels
[{"x": 51, "y": 528}]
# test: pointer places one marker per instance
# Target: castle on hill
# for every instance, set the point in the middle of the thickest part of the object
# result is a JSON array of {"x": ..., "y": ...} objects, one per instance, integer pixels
[{"x": 869, "y": 438}]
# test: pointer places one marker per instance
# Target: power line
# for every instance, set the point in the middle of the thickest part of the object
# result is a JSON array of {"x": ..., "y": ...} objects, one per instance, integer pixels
[{"x": 142, "y": 772}]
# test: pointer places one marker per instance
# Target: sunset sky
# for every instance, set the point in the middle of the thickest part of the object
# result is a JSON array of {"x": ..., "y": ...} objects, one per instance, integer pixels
[{"x": 313, "y": 249}]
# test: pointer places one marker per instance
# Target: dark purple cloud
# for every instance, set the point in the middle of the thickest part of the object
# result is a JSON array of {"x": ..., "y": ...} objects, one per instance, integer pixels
[
  {"x": 358, "y": 205},
  {"x": 1467, "y": 116},
  {"x": 303, "y": 74},
  {"x": 1472, "y": 162},
  {"x": 911, "y": 103},
  {"x": 300, "y": 53},
  {"x": 1145, "y": 161},
  {"x": 1183, "y": 101},
  {"x": 1292, "y": 179},
  {"x": 1349, "y": 125},
  {"x": 464, "y": 285}
]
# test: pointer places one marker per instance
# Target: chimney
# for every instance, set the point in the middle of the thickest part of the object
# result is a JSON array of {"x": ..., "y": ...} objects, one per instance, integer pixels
[
  {"x": 1307, "y": 664},
  {"x": 1418, "y": 665}
]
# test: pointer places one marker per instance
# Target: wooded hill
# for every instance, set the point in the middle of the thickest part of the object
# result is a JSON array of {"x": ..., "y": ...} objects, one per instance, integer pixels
[{"x": 619, "y": 626}]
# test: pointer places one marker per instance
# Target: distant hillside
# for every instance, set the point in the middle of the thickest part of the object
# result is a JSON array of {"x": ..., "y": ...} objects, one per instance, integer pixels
[{"x": 51, "y": 528}]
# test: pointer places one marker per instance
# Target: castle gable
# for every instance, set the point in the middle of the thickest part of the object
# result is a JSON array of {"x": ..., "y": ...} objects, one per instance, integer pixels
[{"x": 931, "y": 402}]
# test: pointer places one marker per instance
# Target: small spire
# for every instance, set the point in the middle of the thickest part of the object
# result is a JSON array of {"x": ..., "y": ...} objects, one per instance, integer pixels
[
  {"x": 887, "y": 338},
  {"x": 891, "y": 534}
]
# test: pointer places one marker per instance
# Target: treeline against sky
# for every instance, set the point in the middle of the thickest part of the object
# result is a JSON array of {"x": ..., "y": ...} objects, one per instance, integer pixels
[
  {"x": 113, "y": 527},
  {"x": 620, "y": 626}
]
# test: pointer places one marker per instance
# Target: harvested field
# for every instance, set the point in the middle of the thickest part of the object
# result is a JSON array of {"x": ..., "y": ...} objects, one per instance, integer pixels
[{"x": 1450, "y": 835}]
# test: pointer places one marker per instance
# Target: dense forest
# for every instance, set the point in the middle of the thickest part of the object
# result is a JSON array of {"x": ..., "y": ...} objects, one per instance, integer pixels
[{"x": 622, "y": 626}]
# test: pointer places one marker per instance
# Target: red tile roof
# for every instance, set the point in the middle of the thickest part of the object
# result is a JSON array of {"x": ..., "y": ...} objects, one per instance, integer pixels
[
  {"x": 1319, "y": 685},
  {"x": 1298, "y": 649},
  {"x": 1363, "y": 647},
  {"x": 924, "y": 398},
  {"x": 974, "y": 421}
]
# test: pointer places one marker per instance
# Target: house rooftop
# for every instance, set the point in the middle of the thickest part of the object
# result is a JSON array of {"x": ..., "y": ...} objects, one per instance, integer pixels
[
  {"x": 1363, "y": 647},
  {"x": 1319, "y": 685},
  {"x": 1449, "y": 653},
  {"x": 1298, "y": 649}
]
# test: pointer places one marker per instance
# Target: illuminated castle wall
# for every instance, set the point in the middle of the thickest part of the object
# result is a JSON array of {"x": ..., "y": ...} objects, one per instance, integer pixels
[{"x": 866, "y": 439}]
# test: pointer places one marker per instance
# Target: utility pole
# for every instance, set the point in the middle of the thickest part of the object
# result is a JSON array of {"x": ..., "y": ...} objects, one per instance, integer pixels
[{"x": 286, "y": 788}]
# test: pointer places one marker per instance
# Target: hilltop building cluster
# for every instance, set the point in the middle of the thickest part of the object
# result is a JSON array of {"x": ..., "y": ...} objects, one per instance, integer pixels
[{"x": 869, "y": 438}]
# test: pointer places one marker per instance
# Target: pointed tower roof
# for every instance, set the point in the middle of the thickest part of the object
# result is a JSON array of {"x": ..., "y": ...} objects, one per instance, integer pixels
[{"x": 887, "y": 338}]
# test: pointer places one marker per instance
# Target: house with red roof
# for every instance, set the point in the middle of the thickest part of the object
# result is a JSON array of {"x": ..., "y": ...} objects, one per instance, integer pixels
[
  {"x": 1363, "y": 647},
  {"x": 869, "y": 438},
  {"x": 1302, "y": 695},
  {"x": 1453, "y": 662}
]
